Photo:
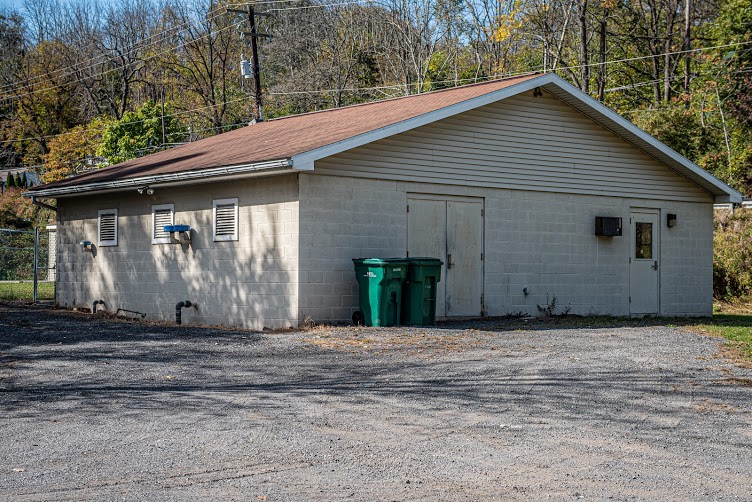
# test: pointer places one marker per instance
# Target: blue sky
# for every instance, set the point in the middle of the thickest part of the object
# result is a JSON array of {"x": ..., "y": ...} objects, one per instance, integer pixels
[{"x": 14, "y": 4}]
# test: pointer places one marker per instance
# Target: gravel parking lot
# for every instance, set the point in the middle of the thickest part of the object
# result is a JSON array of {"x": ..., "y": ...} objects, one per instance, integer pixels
[{"x": 94, "y": 408}]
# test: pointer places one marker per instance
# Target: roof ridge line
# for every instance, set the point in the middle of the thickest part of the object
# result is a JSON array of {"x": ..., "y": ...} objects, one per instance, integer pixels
[{"x": 396, "y": 98}]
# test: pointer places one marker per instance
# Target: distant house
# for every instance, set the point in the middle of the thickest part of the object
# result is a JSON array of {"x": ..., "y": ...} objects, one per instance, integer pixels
[{"x": 526, "y": 188}]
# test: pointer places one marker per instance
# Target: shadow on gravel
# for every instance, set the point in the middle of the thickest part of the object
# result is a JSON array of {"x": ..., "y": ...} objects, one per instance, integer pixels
[
  {"x": 567, "y": 322},
  {"x": 40, "y": 327},
  {"x": 52, "y": 365}
]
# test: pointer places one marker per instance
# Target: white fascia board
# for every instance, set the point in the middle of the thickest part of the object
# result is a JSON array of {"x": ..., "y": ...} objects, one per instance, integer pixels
[
  {"x": 305, "y": 160},
  {"x": 729, "y": 193},
  {"x": 172, "y": 178}
]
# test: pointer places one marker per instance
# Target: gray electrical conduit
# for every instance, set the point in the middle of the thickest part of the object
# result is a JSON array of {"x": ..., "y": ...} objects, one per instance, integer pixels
[{"x": 178, "y": 309}]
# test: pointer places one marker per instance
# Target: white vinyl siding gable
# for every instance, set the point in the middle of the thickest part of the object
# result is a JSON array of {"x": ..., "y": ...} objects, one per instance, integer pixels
[
  {"x": 108, "y": 227},
  {"x": 161, "y": 215},
  {"x": 226, "y": 219},
  {"x": 523, "y": 142}
]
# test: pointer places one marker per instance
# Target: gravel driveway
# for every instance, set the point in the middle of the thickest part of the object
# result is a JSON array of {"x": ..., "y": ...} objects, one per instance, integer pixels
[{"x": 102, "y": 409}]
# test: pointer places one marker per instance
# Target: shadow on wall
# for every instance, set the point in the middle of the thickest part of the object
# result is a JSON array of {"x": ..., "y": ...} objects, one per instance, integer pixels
[{"x": 247, "y": 282}]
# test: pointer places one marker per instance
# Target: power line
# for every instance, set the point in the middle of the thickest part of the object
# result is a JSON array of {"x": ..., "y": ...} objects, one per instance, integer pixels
[
  {"x": 162, "y": 35},
  {"x": 141, "y": 45},
  {"x": 98, "y": 129},
  {"x": 102, "y": 58},
  {"x": 395, "y": 87},
  {"x": 117, "y": 68},
  {"x": 7, "y": 93}
]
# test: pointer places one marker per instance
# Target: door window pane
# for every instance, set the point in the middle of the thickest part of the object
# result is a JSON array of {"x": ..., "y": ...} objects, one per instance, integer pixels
[{"x": 643, "y": 240}]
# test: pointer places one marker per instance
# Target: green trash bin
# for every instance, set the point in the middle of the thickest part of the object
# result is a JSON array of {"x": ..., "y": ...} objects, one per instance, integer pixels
[
  {"x": 380, "y": 281},
  {"x": 419, "y": 303}
]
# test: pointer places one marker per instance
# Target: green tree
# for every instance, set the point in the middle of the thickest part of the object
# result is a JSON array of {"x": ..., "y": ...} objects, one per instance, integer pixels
[
  {"x": 734, "y": 26},
  {"x": 139, "y": 133}
]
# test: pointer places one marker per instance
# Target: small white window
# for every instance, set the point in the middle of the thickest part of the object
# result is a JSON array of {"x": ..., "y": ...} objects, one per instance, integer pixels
[
  {"x": 226, "y": 219},
  {"x": 161, "y": 215},
  {"x": 108, "y": 227}
]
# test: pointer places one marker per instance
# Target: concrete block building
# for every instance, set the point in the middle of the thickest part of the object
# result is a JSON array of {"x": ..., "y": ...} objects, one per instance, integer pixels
[{"x": 526, "y": 188}]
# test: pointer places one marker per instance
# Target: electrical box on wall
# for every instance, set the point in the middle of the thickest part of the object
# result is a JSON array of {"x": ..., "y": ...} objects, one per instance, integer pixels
[{"x": 607, "y": 226}]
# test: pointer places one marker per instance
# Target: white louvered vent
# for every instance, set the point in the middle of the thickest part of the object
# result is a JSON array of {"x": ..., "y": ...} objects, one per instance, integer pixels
[
  {"x": 162, "y": 215},
  {"x": 226, "y": 219},
  {"x": 108, "y": 227}
]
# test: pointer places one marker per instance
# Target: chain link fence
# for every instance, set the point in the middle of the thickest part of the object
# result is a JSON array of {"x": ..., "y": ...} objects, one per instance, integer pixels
[{"x": 27, "y": 264}]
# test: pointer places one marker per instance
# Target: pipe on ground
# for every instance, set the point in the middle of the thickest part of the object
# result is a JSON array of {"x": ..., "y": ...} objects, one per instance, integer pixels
[
  {"x": 94, "y": 306},
  {"x": 178, "y": 310}
]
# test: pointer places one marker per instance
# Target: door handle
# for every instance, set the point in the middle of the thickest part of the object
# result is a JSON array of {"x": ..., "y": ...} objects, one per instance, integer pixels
[
  {"x": 449, "y": 261},
  {"x": 655, "y": 265}
]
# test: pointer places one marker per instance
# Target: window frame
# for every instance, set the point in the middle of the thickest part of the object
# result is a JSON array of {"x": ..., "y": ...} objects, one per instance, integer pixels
[
  {"x": 107, "y": 243},
  {"x": 154, "y": 209},
  {"x": 225, "y": 202},
  {"x": 640, "y": 245}
]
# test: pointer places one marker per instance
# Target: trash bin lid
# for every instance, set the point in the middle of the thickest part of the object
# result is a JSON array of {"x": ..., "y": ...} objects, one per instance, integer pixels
[
  {"x": 424, "y": 260},
  {"x": 380, "y": 262}
]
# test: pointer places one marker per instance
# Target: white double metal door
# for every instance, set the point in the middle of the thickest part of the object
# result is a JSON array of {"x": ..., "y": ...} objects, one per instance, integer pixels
[
  {"x": 644, "y": 261},
  {"x": 451, "y": 229}
]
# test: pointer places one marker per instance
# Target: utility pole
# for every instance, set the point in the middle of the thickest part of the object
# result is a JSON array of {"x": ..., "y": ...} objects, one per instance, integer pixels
[
  {"x": 252, "y": 38},
  {"x": 687, "y": 48},
  {"x": 164, "y": 136},
  {"x": 255, "y": 62}
]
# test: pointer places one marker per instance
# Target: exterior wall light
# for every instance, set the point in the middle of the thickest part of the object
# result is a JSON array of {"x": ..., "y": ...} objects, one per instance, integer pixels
[
  {"x": 86, "y": 245},
  {"x": 671, "y": 220},
  {"x": 145, "y": 190}
]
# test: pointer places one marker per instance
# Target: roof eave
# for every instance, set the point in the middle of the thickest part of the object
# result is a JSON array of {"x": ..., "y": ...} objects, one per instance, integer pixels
[{"x": 161, "y": 179}]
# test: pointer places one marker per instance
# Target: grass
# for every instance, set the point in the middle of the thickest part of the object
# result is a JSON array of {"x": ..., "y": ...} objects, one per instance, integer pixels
[
  {"x": 734, "y": 323},
  {"x": 24, "y": 290}
]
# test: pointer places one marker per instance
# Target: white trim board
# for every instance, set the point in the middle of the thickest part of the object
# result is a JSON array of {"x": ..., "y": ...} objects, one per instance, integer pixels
[{"x": 162, "y": 179}]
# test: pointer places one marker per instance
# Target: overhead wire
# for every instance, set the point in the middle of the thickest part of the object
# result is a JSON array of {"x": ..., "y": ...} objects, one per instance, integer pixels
[
  {"x": 145, "y": 44},
  {"x": 324, "y": 5},
  {"x": 102, "y": 58},
  {"x": 119, "y": 67},
  {"x": 172, "y": 31},
  {"x": 393, "y": 87}
]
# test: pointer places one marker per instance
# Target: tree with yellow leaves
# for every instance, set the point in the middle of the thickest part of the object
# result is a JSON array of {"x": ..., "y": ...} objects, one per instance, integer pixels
[{"x": 69, "y": 151}]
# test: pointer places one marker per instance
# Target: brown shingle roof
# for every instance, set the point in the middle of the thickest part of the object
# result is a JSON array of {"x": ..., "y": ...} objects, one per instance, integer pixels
[{"x": 285, "y": 137}]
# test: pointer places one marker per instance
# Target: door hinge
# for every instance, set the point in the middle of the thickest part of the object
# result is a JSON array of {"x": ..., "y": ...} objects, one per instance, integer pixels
[
  {"x": 407, "y": 254},
  {"x": 630, "y": 259},
  {"x": 481, "y": 304},
  {"x": 482, "y": 212},
  {"x": 481, "y": 256},
  {"x": 408, "y": 208},
  {"x": 630, "y": 299}
]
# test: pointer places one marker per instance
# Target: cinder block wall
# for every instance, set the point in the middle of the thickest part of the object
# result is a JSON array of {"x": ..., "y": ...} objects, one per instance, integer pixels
[
  {"x": 546, "y": 242},
  {"x": 342, "y": 219},
  {"x": 540, "y": 240},
  {"x": 252, "y": 282}
]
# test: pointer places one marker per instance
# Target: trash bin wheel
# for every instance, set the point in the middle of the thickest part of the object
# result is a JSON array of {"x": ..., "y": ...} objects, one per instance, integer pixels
[{"x": 357, "y": 318}]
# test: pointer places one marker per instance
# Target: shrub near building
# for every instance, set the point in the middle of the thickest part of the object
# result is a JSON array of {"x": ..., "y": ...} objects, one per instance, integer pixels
[{"x": 732, "y": 256}]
